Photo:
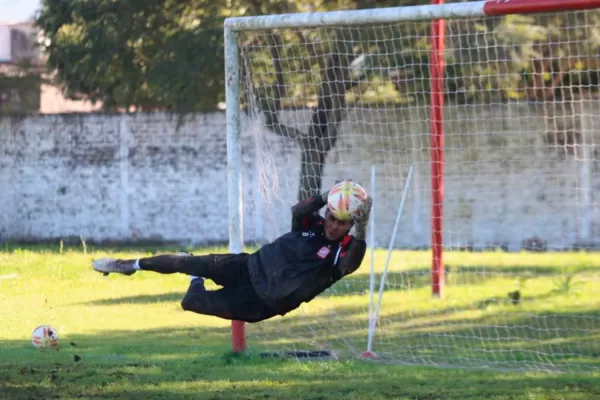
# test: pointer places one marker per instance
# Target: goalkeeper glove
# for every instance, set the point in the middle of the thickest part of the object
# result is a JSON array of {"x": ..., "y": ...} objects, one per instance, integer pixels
[{"x": 361, "y": 219}]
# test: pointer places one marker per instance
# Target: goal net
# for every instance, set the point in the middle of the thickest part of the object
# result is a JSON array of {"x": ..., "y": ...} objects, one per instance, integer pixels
[{"x": 506, "y": 145}]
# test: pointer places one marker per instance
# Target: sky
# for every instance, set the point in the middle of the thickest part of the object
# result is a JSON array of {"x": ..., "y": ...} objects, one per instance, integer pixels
[{"x": 18, "y": 10}]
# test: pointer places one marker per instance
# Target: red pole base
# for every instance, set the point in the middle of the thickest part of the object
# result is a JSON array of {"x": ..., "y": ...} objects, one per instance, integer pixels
[
  {"x": 368, "y": 354},
  {"x": 238, "y": 336}
]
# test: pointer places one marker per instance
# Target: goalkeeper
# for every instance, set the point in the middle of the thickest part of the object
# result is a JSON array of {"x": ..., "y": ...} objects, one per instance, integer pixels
[{"x": 274, "y": 280}]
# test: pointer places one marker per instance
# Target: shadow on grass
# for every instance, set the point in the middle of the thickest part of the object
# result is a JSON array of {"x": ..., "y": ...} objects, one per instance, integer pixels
[
  {"x": 454, "y": 275},
  {"x": 139, "y": 299},
  {"x": 484, "y": 271},
  {"x": 353, "y": 285},
  {"x": 493, "y": 331},
  {"x": 192, "y": 363},
  {"x": 483, "y": 334}
]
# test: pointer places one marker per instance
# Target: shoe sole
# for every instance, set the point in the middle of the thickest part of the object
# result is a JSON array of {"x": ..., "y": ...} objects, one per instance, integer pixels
[{"x": 106, "y": 273}]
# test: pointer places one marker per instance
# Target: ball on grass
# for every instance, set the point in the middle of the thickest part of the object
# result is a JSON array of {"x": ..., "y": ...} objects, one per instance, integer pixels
[{"x": 44, "y": 337}]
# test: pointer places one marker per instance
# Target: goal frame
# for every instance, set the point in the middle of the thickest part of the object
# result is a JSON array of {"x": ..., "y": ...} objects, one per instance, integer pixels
[{"x": 437, "y": 12}]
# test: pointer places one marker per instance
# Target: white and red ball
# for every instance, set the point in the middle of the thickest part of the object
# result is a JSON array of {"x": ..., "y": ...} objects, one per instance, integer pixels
[
  {"x": 344, "y": 199},
  {"x": 44, "y": 337}
]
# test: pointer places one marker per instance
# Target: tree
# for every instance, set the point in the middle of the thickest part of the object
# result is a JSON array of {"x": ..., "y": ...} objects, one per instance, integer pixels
[
  {"x": 168, "y": 54},
  {"x": 326, "y": 118},
  {"x": 20, "y": 88},
  {"x": 147, "y": 54},
  {"x": 330, "y": 59},
  {"x": 150, "y": 54}
]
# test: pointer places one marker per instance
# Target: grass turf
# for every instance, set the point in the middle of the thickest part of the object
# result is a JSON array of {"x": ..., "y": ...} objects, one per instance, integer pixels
[{"x": 127, "y": 337}]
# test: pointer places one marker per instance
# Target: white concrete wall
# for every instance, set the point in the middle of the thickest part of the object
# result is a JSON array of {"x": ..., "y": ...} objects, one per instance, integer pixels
[{"x": 113, "y": 177}]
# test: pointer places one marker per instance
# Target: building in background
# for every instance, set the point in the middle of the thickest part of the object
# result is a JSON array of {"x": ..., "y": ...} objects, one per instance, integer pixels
[{"x": 25, "y": 84}]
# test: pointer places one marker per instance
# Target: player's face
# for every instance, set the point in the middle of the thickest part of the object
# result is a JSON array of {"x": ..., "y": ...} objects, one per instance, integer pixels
[{"x": 335, "y": 228}]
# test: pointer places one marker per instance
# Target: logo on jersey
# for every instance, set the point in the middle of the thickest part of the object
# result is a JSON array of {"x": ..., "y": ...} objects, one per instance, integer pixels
[
  {"x": 323, "y": 252},
  {"x": 308, "y": 234}
]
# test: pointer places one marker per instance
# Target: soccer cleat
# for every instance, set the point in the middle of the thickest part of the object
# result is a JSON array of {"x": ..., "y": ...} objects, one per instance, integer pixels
[{"x": 111, "y": 265}]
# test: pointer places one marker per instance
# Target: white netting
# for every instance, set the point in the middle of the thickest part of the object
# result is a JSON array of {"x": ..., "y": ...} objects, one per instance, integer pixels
[{"x": 521, "y": 172}]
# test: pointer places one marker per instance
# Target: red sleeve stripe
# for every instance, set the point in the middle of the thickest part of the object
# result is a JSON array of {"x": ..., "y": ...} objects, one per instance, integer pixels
[
  {"x": 306, "y": 221},
  {"x": 346, "y": 241}
]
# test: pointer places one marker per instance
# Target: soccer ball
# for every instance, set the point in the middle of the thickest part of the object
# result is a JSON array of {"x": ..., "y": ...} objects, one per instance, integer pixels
[
  {"x": 44, "y": 337},
  {"x": 344, "y": 199}
]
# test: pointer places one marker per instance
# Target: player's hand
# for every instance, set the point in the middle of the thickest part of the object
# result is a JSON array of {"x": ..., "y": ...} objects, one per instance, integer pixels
[{"x": 362, "y": 214}]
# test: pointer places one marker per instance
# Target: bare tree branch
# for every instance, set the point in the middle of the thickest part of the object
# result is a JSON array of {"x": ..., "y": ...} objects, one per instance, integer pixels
[
  {"x": 270, "y": 107},
  {"x": 311, "y": 47},
  {"x": 326, "y": 117},
  {"x": 279, "y": 90},
  {"x": 256, "y": 7},
  {"x": 251, "y": 43},
  {"x": 539, "y": 89},
  {"x": 272, "y": 122}
]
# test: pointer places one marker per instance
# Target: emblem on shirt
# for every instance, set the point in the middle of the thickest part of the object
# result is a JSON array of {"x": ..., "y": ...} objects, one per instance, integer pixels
[{"x": 323, "y": 252}]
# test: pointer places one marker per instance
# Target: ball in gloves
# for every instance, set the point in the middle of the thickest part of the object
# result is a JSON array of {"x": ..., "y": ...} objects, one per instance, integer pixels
[{"x": 344, "y": 199}]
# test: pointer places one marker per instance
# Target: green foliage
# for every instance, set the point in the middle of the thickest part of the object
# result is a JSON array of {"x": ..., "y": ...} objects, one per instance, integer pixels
[
  {"x": 149, "y": 54},
  {"x": 20, "y": 87},
  {"x": 19, "y": 94},
  {"x": 168, "y": 54}
]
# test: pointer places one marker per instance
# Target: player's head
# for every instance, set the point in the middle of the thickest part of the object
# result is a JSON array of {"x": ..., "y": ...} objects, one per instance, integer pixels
[{"x": 334, "y": 228}]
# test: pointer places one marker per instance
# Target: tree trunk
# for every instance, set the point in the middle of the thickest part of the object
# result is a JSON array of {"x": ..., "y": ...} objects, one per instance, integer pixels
[
  {"x": 311, "y": 172},
  {"x": 325, "y": 121}
]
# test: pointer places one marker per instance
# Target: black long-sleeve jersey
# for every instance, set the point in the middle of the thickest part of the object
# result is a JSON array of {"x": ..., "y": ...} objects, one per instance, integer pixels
[{"x": 302, "y": 263}]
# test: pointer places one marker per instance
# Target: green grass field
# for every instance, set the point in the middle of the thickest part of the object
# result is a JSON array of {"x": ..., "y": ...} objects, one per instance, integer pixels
[{"x": 127, "y": 337}]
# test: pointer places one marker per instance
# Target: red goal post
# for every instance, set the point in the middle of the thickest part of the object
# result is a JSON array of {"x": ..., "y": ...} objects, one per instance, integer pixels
[{"x": 437, "y": 13}]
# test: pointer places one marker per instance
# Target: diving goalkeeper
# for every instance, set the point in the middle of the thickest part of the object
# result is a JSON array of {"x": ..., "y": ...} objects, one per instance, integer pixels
[{"x": 274, "y": 280}]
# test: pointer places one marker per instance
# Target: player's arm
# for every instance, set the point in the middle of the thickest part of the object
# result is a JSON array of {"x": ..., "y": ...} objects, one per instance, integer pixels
[
  {"x": 304, "y": 211},
  {"x": 352, "y": 257}
]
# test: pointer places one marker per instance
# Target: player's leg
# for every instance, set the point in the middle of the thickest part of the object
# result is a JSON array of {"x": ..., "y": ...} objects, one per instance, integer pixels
[
  {"x": 165, "y": 264},
  {"x": 223, "y": 269},
  {"x": 236, "y": 302}
]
